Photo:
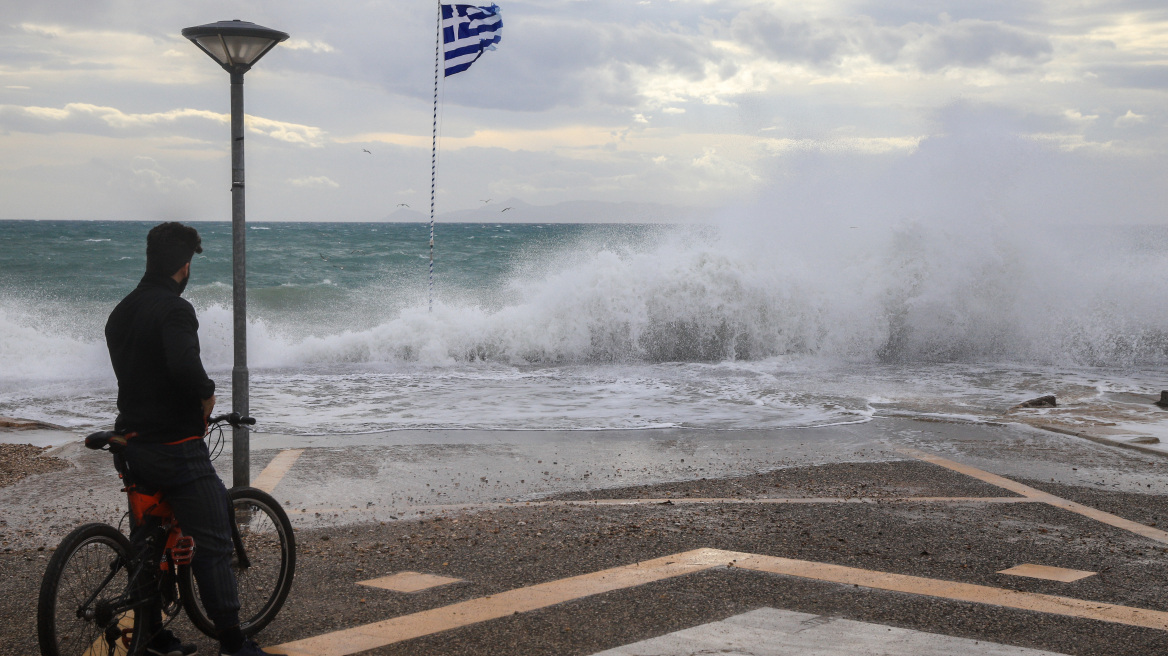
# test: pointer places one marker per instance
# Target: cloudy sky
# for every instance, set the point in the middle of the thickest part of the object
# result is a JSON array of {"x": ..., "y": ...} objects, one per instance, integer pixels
[{"x": 1056, "y": 110}]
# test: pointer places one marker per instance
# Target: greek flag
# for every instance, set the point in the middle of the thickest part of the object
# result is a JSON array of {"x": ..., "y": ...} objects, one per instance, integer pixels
[{"x": 467, "y": 31}]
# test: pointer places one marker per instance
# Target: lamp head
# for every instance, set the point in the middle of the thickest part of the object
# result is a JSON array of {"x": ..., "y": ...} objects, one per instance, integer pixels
[{"x": 236, "y": 45}]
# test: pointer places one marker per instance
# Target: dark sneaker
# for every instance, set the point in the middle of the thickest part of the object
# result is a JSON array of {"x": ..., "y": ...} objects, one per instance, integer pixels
[
  {"x": 168, "y": 644},
  {"x": 249, "y": 648}
]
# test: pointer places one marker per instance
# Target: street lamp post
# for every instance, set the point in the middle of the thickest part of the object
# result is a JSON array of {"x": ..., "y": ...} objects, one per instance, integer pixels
[{"x": 237, "y": 45}]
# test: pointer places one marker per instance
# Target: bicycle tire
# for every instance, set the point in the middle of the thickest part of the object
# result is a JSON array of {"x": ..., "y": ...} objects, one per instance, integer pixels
[
  {"x": 270, "y": 546},
  {"x": 92, "y": 561}
]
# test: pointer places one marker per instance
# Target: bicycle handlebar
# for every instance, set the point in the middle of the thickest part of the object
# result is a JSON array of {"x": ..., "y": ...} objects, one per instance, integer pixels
[{"x": 232, "y": 418}]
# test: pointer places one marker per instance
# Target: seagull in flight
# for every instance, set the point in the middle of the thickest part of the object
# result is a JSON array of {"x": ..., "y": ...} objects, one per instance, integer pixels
[
  {"x": 323, "y": 257},
  {"x": 403, "y": 204},
  {"x": 504, "y": 210},
  {"x": 484, "y": 202},
  {"x": 366, "y": 150}
]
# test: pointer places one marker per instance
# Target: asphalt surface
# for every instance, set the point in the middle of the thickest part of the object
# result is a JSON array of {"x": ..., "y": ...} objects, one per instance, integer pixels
[{"x": 493, "y": 549}]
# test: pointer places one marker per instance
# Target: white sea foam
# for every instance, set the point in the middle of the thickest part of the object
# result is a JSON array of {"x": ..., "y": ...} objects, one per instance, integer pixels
[
  {"x": 909, "y": 295},
  {"x": 780, "y": 326},
  {"x": 30, "y": 348},
  {"x": 906, "y": 296}
]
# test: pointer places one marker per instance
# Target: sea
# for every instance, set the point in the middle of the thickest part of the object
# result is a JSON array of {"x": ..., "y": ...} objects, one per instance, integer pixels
[{"x": 732, "y": 325}]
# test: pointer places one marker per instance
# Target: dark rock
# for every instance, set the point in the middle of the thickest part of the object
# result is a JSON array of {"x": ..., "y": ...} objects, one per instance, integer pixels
[
  {"x": 1163, "y": 402},
  {"x": 1047, "y": 401},
  {"x": 23, "y": 424}
]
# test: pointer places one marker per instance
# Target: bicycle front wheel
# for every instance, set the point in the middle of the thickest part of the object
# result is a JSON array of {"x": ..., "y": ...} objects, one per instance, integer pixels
[
  {"x": 263, "y": 572},
  {"x": 84, "y": 600}
]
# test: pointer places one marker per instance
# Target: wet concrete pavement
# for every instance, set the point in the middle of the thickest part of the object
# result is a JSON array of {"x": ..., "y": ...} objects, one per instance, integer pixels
[{"x": 456, "y": 503}]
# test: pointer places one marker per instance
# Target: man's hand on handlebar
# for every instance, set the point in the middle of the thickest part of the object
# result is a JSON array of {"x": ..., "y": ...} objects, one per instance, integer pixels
[{"x": 232, "y": 418}]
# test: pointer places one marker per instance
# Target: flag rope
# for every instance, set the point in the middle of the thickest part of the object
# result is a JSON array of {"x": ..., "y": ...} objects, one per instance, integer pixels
[
  {"x": 472, "y": 30},
  {"x": 434, "y": 149}
]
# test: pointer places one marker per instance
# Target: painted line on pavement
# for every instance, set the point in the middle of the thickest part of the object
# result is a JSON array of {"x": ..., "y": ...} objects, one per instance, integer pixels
[
  {"x": 521, "y": 600},
  {"x": 543, "y": 595},
  {"x": 455, "y": 507},
  {"x": 956, "y": 591},
  {"x": 780, "y": 500},
  {"x": 773, "y": 632},
  {"x": 409, "y": 581},
  {"x": 271, "y": 476},
  {"x": 1047, "y": 573},
  {"x": 1043, "y": 497}
]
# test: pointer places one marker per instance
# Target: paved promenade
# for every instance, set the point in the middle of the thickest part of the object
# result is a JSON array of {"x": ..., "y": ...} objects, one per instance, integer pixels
[{"x": 894, "y": 537}]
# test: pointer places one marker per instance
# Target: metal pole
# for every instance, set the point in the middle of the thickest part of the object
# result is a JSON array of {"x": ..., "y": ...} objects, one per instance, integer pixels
[{"x": 241, "y": 458}]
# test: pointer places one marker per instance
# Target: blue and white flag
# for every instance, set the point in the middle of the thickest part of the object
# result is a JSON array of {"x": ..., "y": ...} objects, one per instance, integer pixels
[{"x": 467, "y": 31}]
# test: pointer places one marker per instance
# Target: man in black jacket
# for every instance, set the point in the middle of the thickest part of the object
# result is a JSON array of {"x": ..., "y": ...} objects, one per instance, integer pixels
[{"x": 164, "y": 399}]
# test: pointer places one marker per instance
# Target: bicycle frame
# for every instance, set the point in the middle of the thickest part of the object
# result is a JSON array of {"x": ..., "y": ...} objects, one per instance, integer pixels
[
  {"x": 145, "y": 506},
  {"x": 150, "y": 517}
]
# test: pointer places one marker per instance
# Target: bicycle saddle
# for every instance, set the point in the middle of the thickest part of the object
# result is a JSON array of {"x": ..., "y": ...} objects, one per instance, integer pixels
[{"x": 114, "y": 440}]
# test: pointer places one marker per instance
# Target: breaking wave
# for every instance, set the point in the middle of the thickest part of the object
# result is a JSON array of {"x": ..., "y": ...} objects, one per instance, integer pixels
[{"x": 911, "y": 294}]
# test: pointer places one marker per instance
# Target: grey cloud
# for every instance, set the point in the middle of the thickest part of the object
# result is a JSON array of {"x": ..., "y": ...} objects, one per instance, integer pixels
[
  {"x": 61, "y": 13},
  {"x": 927, "y": 46},
  {"x": 902, "y": 12},
  {"x": 1133, "y": 76},
  {"x": 973, "y": 43},
  {"x": 12, "y": 58},
  {"x": 790, "y": 40},
  {"x": 544, "y": 63}
]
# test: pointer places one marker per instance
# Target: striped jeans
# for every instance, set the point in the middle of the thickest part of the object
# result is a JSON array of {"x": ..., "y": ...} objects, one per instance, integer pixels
[{"x": 188, "y": 481}]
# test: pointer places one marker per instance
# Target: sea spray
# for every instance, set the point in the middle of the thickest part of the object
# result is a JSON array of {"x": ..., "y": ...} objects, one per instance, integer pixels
[{"x": 911, "y": 293}]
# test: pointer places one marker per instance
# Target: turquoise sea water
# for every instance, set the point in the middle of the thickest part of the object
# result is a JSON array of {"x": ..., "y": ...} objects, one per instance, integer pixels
[{"x": 747, "y": 325}]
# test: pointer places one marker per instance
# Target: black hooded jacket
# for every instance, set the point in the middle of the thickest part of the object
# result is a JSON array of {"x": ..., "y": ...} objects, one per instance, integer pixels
[{"x": 153, "y": 343}]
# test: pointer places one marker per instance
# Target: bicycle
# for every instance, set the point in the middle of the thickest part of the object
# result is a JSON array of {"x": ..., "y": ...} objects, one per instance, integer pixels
[{"x": 101, "y": 589}]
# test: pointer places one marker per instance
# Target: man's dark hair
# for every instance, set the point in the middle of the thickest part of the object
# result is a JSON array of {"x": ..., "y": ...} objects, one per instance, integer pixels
[{"x": 169, "y": 246}]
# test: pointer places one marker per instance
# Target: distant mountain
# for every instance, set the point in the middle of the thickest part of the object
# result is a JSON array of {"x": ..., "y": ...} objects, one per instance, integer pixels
[{"x": 576, "y": 211}]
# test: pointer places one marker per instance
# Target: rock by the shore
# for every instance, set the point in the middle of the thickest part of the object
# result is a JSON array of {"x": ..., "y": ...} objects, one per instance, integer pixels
[
  {"x": 20, "y": 460},
  {"x": 1047, "y": 401},
  {"x": 1163, "y": 402},
  {"x": 24, "y": 424}
]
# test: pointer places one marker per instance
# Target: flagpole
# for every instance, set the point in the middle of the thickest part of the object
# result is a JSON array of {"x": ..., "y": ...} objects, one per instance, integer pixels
[{"x": 434, "y": 148}]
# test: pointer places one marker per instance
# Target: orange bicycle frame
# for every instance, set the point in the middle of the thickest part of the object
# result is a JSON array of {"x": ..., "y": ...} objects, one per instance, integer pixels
[{"x": 179, "y": 548}]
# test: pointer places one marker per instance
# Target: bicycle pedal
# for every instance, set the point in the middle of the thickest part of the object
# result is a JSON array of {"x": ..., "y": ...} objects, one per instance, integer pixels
[{"x": 183, "y": 550}]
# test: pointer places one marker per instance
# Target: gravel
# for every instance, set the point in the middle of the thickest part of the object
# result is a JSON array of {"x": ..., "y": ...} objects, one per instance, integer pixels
[
  {"x": 20, "y": 460},
  {"x": 880, "y": 480}
]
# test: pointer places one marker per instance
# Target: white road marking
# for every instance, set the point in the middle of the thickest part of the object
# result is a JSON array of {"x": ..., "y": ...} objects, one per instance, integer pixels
[
  {"x": 409, "y": 582},
  {"x": 1048, "y": 573},
  {"x": 771, "y": 632}
]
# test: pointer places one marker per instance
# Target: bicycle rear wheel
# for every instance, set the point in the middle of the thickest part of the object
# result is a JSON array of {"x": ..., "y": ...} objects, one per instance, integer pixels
[
  {"x": 84, "y": 597},
  {"x": 270, "y": 549}
]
